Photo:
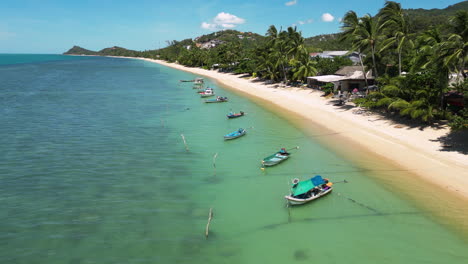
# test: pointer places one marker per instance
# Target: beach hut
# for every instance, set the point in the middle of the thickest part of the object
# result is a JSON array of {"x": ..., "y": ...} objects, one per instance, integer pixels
[
  {"x": 317, "y": 82},
  {"x": 353, "y": 78}
]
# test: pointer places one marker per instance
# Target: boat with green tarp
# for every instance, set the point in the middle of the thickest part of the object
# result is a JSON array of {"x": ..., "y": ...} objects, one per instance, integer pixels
[{"x": 308, "y": 190}]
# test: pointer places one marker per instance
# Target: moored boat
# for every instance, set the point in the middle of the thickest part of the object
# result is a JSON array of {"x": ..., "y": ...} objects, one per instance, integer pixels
[
  {"x": 198, "y": 83},
  {"x": 207, "y": 93},
  {"x": 219, "y": 99},
  {"x": 305, "y": 191},
  {"x": 238, "y": 133},
  {"x": 235, "y": 115},
  {"x": 276, "y": 158}
]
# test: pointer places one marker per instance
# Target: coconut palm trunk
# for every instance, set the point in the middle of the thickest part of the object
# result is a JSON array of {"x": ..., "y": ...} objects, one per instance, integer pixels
[{"x": 364, "y": 72}]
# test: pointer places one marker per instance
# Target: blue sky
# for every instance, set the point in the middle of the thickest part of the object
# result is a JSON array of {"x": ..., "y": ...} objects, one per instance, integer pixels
[{"x": 54, "y": 26}]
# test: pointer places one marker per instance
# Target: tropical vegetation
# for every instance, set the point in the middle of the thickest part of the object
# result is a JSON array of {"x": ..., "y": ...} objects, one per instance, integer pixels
[
  {"x": 412, "y": 54},
  {"x": 412, "y": 68}
]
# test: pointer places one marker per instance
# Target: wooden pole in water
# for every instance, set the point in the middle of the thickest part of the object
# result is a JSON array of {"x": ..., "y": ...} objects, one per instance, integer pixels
[
  {"x": 162, "y": 122},
  {"x": 185, "y": 143},
  {"x": 210, "y": 216},
  {"x": 214, "y": 162},
  {"x": 287, "y": 205}
]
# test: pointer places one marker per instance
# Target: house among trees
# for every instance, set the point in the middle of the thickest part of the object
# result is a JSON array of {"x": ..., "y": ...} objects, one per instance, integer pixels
[
  {"x": 353, "y": 56},
  {"x": 347, "y": 79},
  {"x": 210, "y": 44}
]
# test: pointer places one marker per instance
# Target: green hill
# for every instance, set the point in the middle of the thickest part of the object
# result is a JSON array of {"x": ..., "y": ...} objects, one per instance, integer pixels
[
  {"x": 76, "y": 50},
  {"x": 118, "y": 51},
  {"x": 113, "y": 51},
  {"x": 421, "y": 19},
  {"x": 327, "y": 42}
]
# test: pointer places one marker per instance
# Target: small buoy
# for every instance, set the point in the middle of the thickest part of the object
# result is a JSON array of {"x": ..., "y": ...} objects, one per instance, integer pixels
[{"x": 262, "y": 168}]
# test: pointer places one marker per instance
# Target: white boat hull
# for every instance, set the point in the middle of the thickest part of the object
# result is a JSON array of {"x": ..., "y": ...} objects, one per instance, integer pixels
[
  {"x": 276, "y": 160},
  {"x": 296, "y": 201}
]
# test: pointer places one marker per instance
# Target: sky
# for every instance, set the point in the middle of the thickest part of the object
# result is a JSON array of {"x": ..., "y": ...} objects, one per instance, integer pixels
[{"x": 54, "y": 26}]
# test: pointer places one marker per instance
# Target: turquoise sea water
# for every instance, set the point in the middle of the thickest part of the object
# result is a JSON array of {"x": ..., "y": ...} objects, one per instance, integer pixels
[{"x": 93, "y": 169}]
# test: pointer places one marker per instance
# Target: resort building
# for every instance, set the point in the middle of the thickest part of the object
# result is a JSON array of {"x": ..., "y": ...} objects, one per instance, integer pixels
[{"x": 346, "y": 79}]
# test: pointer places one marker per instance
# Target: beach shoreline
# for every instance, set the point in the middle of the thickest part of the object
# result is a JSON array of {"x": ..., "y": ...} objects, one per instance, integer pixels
[
  {"x": 416, "y": 150},
  {"x": 412, "y": 148}
]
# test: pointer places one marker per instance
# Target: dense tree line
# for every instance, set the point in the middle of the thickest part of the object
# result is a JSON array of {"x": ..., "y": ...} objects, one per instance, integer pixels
[
  {"x": 411, "y": 58},
  {"x": 428, "y": 58},
  {"x": 411, "y": 66}
]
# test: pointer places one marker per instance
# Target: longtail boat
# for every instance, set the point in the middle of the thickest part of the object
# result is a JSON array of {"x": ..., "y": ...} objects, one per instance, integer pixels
[
  {"x": 276, "y": 158},
  {"x": 207, "y": 93},
  {"x": 238, "y": 133},
  {"x": 305, "y": 191},
  {"x": 218, "y": 99},
  {"x": 235, "y": 115}
]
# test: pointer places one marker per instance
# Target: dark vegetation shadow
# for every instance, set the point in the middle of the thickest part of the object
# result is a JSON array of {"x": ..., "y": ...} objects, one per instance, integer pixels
[
  {"x": 456, "y": 141},
  {"x": 340, "y": 105},
  {"x": 392, "y": 117}
]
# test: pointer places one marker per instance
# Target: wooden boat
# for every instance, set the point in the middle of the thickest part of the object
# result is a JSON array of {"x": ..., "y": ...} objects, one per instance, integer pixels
[
  {"x": 219, "y": 99},
  {"x": 207, "y": 93},
  {"x": 238, "y": 133},
  {"x": 198, "y": 86},
  {"x": 198, "y": 83},
  {"x": 235, "y": 115},
  {"x": 202, "y": 89},
  {"x": 305, "y": 191},
  {"x": 276, "y": 158}
]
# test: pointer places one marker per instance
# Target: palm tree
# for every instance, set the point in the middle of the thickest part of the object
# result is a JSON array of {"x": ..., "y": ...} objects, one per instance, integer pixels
[
  {"x": 265, "y": 62},
  {"x": 455, "y": 49},
  {"x": 455, "y": 52},
  {"x": 426, "y": 48},
  {"x": 277, "y": 43},
  {"x": 305, "y": 67},
  {"x": 295, "y": 42},
  {"x": 367, "y": 35},
  {"x": 350, "y": 25},
  {"x": 394, "y": 22}
]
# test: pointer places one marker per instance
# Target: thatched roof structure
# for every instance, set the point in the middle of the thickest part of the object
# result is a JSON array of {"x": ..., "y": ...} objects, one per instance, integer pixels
[{"x": 353, "y": 72}]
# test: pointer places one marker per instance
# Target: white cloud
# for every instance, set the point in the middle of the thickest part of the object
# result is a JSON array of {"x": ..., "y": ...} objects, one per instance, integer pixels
[
  {"x": 327, "y": 17},
  {"x": 223, "y": 18},
  {"x": 208, "y": 26},
  {"x": 303, "y": 22},
  {"x": 291, "y": 3},
  {"x": 222, "y": 21}
]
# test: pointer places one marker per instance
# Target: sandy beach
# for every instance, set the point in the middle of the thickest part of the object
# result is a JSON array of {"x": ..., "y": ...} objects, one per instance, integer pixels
[{"x": 414, "y": 149}]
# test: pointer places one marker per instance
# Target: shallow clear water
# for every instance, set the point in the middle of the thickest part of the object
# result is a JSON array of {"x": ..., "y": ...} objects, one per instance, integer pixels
[{"x": 93, "y": 169}]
